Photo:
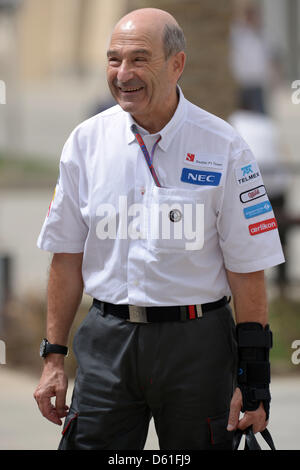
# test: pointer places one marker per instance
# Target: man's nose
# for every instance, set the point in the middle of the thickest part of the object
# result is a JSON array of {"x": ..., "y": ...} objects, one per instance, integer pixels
[{"x": 125, "y": 72}]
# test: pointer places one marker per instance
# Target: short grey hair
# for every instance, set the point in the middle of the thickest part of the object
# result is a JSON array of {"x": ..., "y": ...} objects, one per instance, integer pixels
[{"x": 173, "y": 40}]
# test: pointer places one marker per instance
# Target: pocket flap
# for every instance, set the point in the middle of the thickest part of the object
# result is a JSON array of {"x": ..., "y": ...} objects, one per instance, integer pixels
[
  {"x": 218, "y": 428},
  {"x": 72, "y": 415}
]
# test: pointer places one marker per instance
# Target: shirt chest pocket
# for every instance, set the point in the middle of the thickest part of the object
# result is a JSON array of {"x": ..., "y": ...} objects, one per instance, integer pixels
[{"x": 175, "y": 220}]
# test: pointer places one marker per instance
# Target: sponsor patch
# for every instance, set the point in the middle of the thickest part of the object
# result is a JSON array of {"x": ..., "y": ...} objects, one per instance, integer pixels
[
  {"x": 261, "y": 227},
  {"x": 247, "y": 173},
  {"x": 258, "y": 209},
  {"x": 209, "y": 161},
  {"x": 202, "y": 178},
  {"x": 51, "y": 202},
  {"x": 253, "y": 194}
]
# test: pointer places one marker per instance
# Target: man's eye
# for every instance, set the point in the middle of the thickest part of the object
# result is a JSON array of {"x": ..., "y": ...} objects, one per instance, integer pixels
[
  {"x": 140, "y": 59},
  {"x": 113, "y": 60}
]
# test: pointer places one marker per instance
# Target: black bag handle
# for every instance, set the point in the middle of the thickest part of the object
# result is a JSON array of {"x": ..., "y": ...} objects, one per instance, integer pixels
[{"x": 250, "y": 439}]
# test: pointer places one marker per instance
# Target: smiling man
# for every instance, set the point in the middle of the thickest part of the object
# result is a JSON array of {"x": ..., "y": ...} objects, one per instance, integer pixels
[
  {"x": 159, "y": 339},
  {"x": 143, "y": 68}
]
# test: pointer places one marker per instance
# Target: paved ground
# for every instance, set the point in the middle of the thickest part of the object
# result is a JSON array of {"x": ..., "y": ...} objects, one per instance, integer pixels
[{"x": 22, "y": 427}]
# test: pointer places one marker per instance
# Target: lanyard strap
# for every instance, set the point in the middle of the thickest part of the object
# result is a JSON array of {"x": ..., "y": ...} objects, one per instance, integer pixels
[{"x": 148, "y": 158}]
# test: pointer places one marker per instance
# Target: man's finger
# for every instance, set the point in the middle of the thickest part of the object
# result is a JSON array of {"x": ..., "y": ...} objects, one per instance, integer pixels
[
  {"x": 234, "y": 413},
  {"x": 246, "y": 421},
  {"x": 48, "y": 410},
  {"x": 256, "y": 419},
  {"x": 60, "y": 402}
]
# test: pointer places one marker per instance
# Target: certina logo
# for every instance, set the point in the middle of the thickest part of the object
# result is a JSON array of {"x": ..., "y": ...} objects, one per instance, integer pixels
[
  {"x": 247, "y": 173},
  {"x": 264, "y": 226},
  {"x": 253, "y": 194},
  {"x": 202, "y": 178}
]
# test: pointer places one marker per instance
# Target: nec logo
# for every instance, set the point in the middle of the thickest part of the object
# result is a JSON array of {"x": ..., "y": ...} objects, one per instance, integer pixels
[{"x": 202, "y": 178}]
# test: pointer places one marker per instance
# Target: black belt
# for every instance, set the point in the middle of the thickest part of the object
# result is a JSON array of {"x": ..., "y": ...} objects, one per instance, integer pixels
[{"x": 137, "y": 314}]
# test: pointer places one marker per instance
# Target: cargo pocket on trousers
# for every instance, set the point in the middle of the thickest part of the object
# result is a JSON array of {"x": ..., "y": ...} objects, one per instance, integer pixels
[
  {"x": 220, "y": 438},
  {"x": 69, "y": 431}
]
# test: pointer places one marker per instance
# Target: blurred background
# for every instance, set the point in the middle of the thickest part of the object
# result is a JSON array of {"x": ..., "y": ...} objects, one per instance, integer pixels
[{"x": 243, "y": 65}]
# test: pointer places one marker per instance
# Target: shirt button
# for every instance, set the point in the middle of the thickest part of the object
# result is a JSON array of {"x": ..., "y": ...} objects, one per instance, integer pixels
[{"x": 136, "y": 283}]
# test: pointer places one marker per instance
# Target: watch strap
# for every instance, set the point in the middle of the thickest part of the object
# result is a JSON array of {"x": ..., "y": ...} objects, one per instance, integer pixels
[
  {"x": 56, "y": 349},
  {"x": 48, "y": 348}
]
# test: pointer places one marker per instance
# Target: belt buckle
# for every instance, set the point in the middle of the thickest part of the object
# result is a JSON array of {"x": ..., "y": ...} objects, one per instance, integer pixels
[{"x": 137, "y": 314}]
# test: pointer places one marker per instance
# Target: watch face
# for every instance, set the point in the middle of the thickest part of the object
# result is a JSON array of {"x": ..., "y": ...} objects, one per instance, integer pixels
[{"x": 43, "y": 347}]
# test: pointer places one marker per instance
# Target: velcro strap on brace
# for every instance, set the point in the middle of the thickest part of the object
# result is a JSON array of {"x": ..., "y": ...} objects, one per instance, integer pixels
[
  {"x": 254, "y": 338},
  {"x": 252, "y": 397},
  {"x": 254, "y": 373},
  {"x": 254, "y": 394}
]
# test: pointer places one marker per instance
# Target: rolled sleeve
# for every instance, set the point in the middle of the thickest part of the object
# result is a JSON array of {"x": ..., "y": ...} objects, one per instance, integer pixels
[{"x": 248, "y": 236}]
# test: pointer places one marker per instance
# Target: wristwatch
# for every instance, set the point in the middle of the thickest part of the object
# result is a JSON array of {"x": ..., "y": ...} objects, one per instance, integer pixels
[{"x": 48, "y": 348}]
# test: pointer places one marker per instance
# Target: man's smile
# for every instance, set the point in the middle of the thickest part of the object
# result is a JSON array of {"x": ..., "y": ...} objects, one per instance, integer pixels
[{"x": 130, "y": 90}]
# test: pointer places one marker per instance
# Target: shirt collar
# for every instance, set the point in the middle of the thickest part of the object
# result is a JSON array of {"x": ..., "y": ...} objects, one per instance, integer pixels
[{"x": 170, "y": 129}]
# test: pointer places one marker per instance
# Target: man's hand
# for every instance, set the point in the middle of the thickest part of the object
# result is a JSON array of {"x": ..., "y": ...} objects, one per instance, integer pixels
[
  {"x": 65, "y": 287},
  {"x": 53, "y": 383},
  {"x": 256, "y": 419}
]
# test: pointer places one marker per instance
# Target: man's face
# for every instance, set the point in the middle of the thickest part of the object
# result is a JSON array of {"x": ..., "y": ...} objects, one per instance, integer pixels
[{"x": 139, "y": 77}]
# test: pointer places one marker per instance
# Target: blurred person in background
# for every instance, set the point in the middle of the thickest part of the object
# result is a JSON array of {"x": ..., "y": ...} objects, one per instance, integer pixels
[
  {"x": 255, "y": 66},
  {"x": 250, "y": 59}
]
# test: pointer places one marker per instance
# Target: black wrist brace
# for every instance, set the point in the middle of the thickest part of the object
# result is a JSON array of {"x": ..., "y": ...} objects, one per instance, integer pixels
[{"x": 253, "y": 377}]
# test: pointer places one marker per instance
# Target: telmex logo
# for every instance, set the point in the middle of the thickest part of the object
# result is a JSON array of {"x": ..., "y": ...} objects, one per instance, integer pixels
[
  {"x": 247, "y": 170},
  {"x": 261, "y": 227},
  {"x": 247, "y": 173},
  {"x": 208, "y": 178}
]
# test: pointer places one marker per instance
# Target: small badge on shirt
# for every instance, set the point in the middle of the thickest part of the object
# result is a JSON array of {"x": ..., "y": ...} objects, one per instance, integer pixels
[
  {"x": 202, "y": 178},
  {"x": 175, "y": 215},
  {"x": 252, "y": 194},
  {"x": 209, "y": 161},
  {"x": 257, "y": 210},
  {"x": 247, "y": 173},
  {"x": 261, "y": 227}
]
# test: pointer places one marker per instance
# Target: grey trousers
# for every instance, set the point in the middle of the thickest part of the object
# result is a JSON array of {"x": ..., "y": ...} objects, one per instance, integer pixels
[{"x": 181, "y": 373}]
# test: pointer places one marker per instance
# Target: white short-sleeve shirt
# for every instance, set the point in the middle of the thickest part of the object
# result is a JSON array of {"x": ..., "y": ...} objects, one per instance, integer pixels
[{"x": 168, "y": 245}]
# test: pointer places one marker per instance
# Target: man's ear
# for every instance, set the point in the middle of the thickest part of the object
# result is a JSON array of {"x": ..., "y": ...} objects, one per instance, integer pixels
[{"x": 179, "y": 63}]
